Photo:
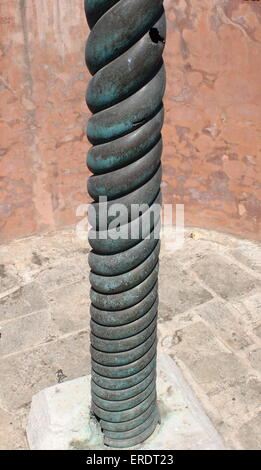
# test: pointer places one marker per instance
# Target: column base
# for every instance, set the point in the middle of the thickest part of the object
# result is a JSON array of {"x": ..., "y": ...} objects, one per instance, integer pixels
[{"x": 60, "y": 417}]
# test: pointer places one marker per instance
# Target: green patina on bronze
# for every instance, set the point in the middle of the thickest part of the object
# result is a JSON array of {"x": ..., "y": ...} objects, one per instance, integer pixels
[{"x": 124, "y": 55}]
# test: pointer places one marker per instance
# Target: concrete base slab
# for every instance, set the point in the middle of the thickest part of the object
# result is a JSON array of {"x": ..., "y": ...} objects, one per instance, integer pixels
[{"x": 60, "y": 416}]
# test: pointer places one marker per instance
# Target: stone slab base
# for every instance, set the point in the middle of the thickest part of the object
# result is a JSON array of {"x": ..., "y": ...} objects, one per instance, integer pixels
[{"x": 60, "y": 416}]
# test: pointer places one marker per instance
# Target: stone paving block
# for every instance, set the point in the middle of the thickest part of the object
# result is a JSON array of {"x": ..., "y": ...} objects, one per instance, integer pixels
[
  {"x": 179, "y": 291},
  {"x": 25, "y": 332},
  {"x": 257, "y": 331},
  {"x": 169, "y": 330},
  {"x": 190, "y": 251},
  {"x": 12, "y": 436},
  {"x": 214, "y": 371},
  {"x": 165, "y": 313},
  {"x": 70, "y": 307},
  {"x": 26, "y": 299},
  {"x": 228, "y": 326},
  {"x": 69, "y": 272},
  {"x": 249, "y": 308},
  {"x": 238, "y": 401},
  {"x": 255, "y": 359},
  {"x": 36, "y": 251},
  {"x": 224, "y": 277},
  {"x": 249, "y": 434},
  {"x": 193, "y": 341},
  {"x": 8, "y": 280},
  {"x": 249, "y": 254},
  {"x": 24, "y": 374}
]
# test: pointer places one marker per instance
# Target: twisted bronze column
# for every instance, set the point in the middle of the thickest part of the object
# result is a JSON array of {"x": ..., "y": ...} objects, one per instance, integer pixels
[{"x": 124, "y": 55}]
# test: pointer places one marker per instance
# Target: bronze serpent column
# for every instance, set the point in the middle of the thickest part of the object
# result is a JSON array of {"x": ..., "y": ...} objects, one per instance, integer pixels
[{"x": 124, "y": 55}]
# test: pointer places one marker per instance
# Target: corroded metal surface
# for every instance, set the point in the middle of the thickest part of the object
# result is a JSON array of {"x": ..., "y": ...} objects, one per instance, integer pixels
[{"x": 124, "y": 55}]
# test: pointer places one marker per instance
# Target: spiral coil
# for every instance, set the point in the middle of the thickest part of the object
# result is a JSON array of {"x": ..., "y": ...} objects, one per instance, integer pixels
[{"x": 124, "y": 55}]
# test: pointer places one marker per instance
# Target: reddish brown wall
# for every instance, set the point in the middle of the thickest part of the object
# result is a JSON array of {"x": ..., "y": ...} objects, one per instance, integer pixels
[{"x": 213, "y": 114}]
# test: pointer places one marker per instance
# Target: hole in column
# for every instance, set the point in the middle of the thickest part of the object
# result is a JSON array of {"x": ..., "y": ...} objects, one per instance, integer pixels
[{"x": 155, "y": 36}]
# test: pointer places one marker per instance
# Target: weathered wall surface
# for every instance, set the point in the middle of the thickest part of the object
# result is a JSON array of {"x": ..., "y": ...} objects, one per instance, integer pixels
[
  {"x": 43, "y": 114},
  {"x": 213, "y": 113},
  {"x": 212, "y": 129}
]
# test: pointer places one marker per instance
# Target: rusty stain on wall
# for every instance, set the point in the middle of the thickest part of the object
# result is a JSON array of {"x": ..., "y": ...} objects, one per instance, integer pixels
[{"x": 212, "y": 127}]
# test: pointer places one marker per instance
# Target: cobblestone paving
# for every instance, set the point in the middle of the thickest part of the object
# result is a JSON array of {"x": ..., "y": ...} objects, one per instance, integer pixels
[{"x": 209, "y": 322}]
